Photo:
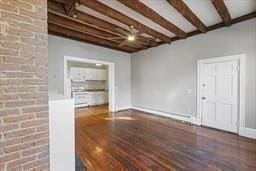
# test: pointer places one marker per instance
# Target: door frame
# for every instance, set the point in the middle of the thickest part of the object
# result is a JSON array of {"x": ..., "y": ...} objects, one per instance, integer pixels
[
  {"x": 111, "y": 77},
  {"x": 241, "y": 58}
]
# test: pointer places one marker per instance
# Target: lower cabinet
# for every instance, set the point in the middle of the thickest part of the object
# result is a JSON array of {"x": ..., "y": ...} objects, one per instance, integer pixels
[{"x": 97, "y": 98}]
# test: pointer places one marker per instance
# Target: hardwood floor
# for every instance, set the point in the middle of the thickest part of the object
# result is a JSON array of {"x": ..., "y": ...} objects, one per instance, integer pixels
[
  {"x": 93, "y": 110},
  {"x": 133, "y": 140}
]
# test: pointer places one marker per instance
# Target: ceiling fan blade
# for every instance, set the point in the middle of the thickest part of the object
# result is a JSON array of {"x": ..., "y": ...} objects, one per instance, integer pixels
[
  {"x": 138, "y": 33},
  {"x": 122, "y": 31},
  {"x": 115, "y": 38},
  {"x": 123, "y": 43}
]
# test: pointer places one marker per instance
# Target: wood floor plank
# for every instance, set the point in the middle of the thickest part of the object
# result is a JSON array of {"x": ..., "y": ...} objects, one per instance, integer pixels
[{"x": 134, "y": 140}]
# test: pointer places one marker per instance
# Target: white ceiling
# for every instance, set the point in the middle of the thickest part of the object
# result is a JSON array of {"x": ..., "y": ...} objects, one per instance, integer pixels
[
  {"x": 238, "y": 8},
  {"x": 202, "y": 8}
]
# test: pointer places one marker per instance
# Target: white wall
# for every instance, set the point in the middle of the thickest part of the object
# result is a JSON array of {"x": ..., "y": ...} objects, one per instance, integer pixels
[
  {"x": 161, "y": 75},
  {"x": 62, "y": 133},
  {"x": 59, "y": 47}
]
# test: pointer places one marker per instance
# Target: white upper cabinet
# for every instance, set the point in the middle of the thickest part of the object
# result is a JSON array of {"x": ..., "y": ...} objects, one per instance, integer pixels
[
  {"x": 90, "y": 74},
  {"x": 101, "y": 74},
  {"x": 87, "y": 74},
  {"x": 96, "y": 74},
  {"x": 77, "y": 74}
]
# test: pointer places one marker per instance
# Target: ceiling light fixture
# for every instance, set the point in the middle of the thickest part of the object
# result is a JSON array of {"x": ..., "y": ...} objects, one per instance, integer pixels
[
  {"x": 99, "y": 65},
  {"x": 131, "y": 37},
  {"x": 75, "y": 16}
]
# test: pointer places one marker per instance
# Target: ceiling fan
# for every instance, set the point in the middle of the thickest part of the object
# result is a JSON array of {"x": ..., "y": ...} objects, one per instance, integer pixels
[{"x": 128, "y": 36}]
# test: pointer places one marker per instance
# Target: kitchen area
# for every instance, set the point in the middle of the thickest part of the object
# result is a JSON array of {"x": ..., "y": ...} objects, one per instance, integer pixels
[{"x": 88, "y": 85}]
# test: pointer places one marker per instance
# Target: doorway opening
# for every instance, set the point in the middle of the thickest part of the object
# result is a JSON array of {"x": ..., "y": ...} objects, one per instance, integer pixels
[
  {"x": 221, "y": 92},
  {"x": 91, "y": 84}
]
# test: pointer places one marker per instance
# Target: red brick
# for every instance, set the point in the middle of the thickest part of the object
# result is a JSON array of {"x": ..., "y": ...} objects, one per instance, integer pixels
[
  {"x": 10, "y": 52},
  {"x": 8, "y": 67},
  {"x": 12, "y": 104},
  {"x": 11, "y": 149},
  {"x": 42, "y": 88},
  {"x": 42, "y": 101},
  {"x": 10, "y": 6},
  {"x": 34, "y": 150},
  {"x": 19, "y": 133},
  {"x": 44, "y": 141},
  {"x": 35, "y": 109},
  {"x": 8, "y": 157},
  {"x": 42, "y": 128},
  {"x": 43, "y": 154},
  {"x": 18, "y": 60},
  {"x": 4, "y": 82},
  {"x": 20, "y": 162},
  {"x": 9, "y": 37},
  {"x": 24, "y": 5},
  {"x": 8, "y": 112},
  {"x": 12, "y": 119},
  {"x": 13, "y": 141},
  {"x": 33, "y": 123},
  {"x": 36, "y": 164},
  {"x": 8, "y": 127},
  {"x": 32, "y": 28},
  {"x": 12, "y": 16},
  {"x": 23, "y": 85},
  {"x": 19, "y": 89},
  {"x": 11, "y": 74},
  {"x": 35, "y": 82},
  {"x": 16, "y": 45},
  {"x": 35, "y": 136},
  {"x": 34, "y": 96},
  {"x": 27, "y": 54},
  {"x": 42, "y": 114}
]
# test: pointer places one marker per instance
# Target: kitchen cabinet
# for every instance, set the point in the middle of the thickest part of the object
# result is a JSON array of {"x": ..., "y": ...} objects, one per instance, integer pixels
[
  {"x": 87, "y": 74},
  {"x": 85, "y": 98},
  {"x": 90, "y": 74},
  {"x": 96, "y": 74},
  {"x": 78, "y": 74},
  {"x": 105, "y": 97},
  {"x": 97, "y": 98},
  {"x": 101, "y": 74},
  {"x": 74, "y": 73},
  {"x": 81, "y": 99}
]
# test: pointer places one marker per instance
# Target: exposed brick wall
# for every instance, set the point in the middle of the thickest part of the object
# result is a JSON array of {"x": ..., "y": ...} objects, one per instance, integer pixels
[{"x": 24, "y": 133}]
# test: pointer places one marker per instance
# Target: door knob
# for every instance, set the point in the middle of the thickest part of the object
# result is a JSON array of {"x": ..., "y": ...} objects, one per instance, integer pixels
[{"x": 203, "y": 98}]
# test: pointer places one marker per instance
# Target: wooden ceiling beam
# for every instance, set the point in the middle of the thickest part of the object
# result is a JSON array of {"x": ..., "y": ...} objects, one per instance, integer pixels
[
  {"x": 70, "y": 7},
  {"x": 64, "y": 21},
  {"x": 55, "y": 6},
  {"x": 220, "y": 25},
  {"x": 141, "y": 8},
  {"x": 99, "y": 23},
  {"x": 223, "y": 11},
  {"x": 69, "y": 22},
  {"x": 111, "y": 27},
  {"x": 185, "y": 11},
  {"x": 112, "y": 13},
  {"x": 87, "y": 38}
]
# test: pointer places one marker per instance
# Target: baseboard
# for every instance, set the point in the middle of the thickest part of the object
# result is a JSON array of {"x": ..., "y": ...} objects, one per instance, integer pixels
[
  {"x": 247, "y": 132},
  {"x": 165, "y": 114},
  {"x": 195, "y": 121},
  {"x": 123, "y": 108}
]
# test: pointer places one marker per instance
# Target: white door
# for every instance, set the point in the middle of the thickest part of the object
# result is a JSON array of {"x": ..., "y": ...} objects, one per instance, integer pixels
[{"x": 219, "y": 95}]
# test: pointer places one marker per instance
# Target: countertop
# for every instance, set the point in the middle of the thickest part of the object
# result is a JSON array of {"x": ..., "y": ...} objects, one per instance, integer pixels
[{"x": 91, "y": 90}]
